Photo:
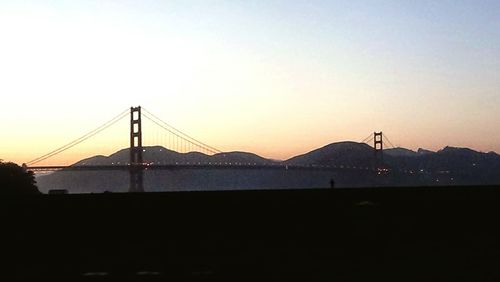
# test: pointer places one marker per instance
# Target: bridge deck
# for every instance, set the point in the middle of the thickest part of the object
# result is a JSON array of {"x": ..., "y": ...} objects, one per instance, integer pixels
[{"x": 190, "y": 166}]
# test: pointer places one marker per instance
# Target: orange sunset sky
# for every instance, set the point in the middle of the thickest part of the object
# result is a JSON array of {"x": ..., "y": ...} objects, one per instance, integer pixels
[{"x": 277, "y": 78}]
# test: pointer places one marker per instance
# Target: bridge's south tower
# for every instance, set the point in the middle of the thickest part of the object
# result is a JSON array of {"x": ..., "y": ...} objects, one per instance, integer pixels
[
  {"x": 378, "y": 146},
  {"x": 136, "y": 161}
]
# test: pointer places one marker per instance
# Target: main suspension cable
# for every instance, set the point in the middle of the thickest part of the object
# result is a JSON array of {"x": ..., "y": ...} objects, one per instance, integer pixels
[
  {"x": 203, "y": 146},
  {"x": 81, "y": 139},
  {"x": 179, "y": 133}
]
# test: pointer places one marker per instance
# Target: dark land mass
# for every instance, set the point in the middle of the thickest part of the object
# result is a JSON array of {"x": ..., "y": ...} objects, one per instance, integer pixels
[
  {"x": 14, "y": 180},
  {"x": 449, "y": 166},
  {"x": 382, "y": 234}
]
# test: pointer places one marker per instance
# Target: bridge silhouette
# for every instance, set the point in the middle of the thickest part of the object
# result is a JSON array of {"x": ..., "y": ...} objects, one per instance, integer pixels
[{"x": 178, "y": 141}]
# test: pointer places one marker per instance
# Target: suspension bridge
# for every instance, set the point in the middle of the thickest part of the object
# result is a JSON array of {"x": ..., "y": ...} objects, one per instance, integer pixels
[{"x": 178, "y": 141}]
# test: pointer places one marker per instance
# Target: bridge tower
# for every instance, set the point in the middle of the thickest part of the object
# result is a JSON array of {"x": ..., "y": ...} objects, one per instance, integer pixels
[
  {"x": 378, "y": 147},
  {"x": 136, "y": 162}
]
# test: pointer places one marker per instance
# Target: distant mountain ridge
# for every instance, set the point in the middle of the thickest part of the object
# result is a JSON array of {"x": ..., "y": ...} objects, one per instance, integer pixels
[
  {"x": 448, "y": 166},
  {"x": 161, "y": 155},
  {"x": 341, "y": 153},
  {"x": 401, "y": 152}
]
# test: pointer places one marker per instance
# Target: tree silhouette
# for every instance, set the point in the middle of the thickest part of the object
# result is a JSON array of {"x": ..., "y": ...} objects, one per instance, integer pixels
[{"x": 14, "y": 180}]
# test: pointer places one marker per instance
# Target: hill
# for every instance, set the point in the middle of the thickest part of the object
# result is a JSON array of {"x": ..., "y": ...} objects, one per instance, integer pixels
[
  {"x": 341, "y": 153},
  {"x": 449, "y": 166},
  {"x": 161, "y": 155},
  {"x": 400, "y": 152}
]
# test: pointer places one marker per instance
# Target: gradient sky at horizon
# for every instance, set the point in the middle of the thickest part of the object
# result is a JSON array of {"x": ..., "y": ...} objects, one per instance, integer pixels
[{"x": 277, "y": 78}]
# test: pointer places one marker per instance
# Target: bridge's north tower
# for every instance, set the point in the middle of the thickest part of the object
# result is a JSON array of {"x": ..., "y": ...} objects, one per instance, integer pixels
[{"x": 136, "y": 161}]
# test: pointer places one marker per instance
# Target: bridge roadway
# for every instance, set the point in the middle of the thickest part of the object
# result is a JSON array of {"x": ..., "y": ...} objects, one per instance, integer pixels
[{"x": 192, "y": 166}]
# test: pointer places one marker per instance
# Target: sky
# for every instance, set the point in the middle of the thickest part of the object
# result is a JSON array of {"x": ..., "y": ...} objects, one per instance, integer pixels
[{"x": 277, "y": 78}]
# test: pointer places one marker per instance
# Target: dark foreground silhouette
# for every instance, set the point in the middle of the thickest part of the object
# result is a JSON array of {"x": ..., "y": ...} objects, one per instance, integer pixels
[
  {"x": 396, "y": 234},
  {"x": 14, "y": 180}
]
